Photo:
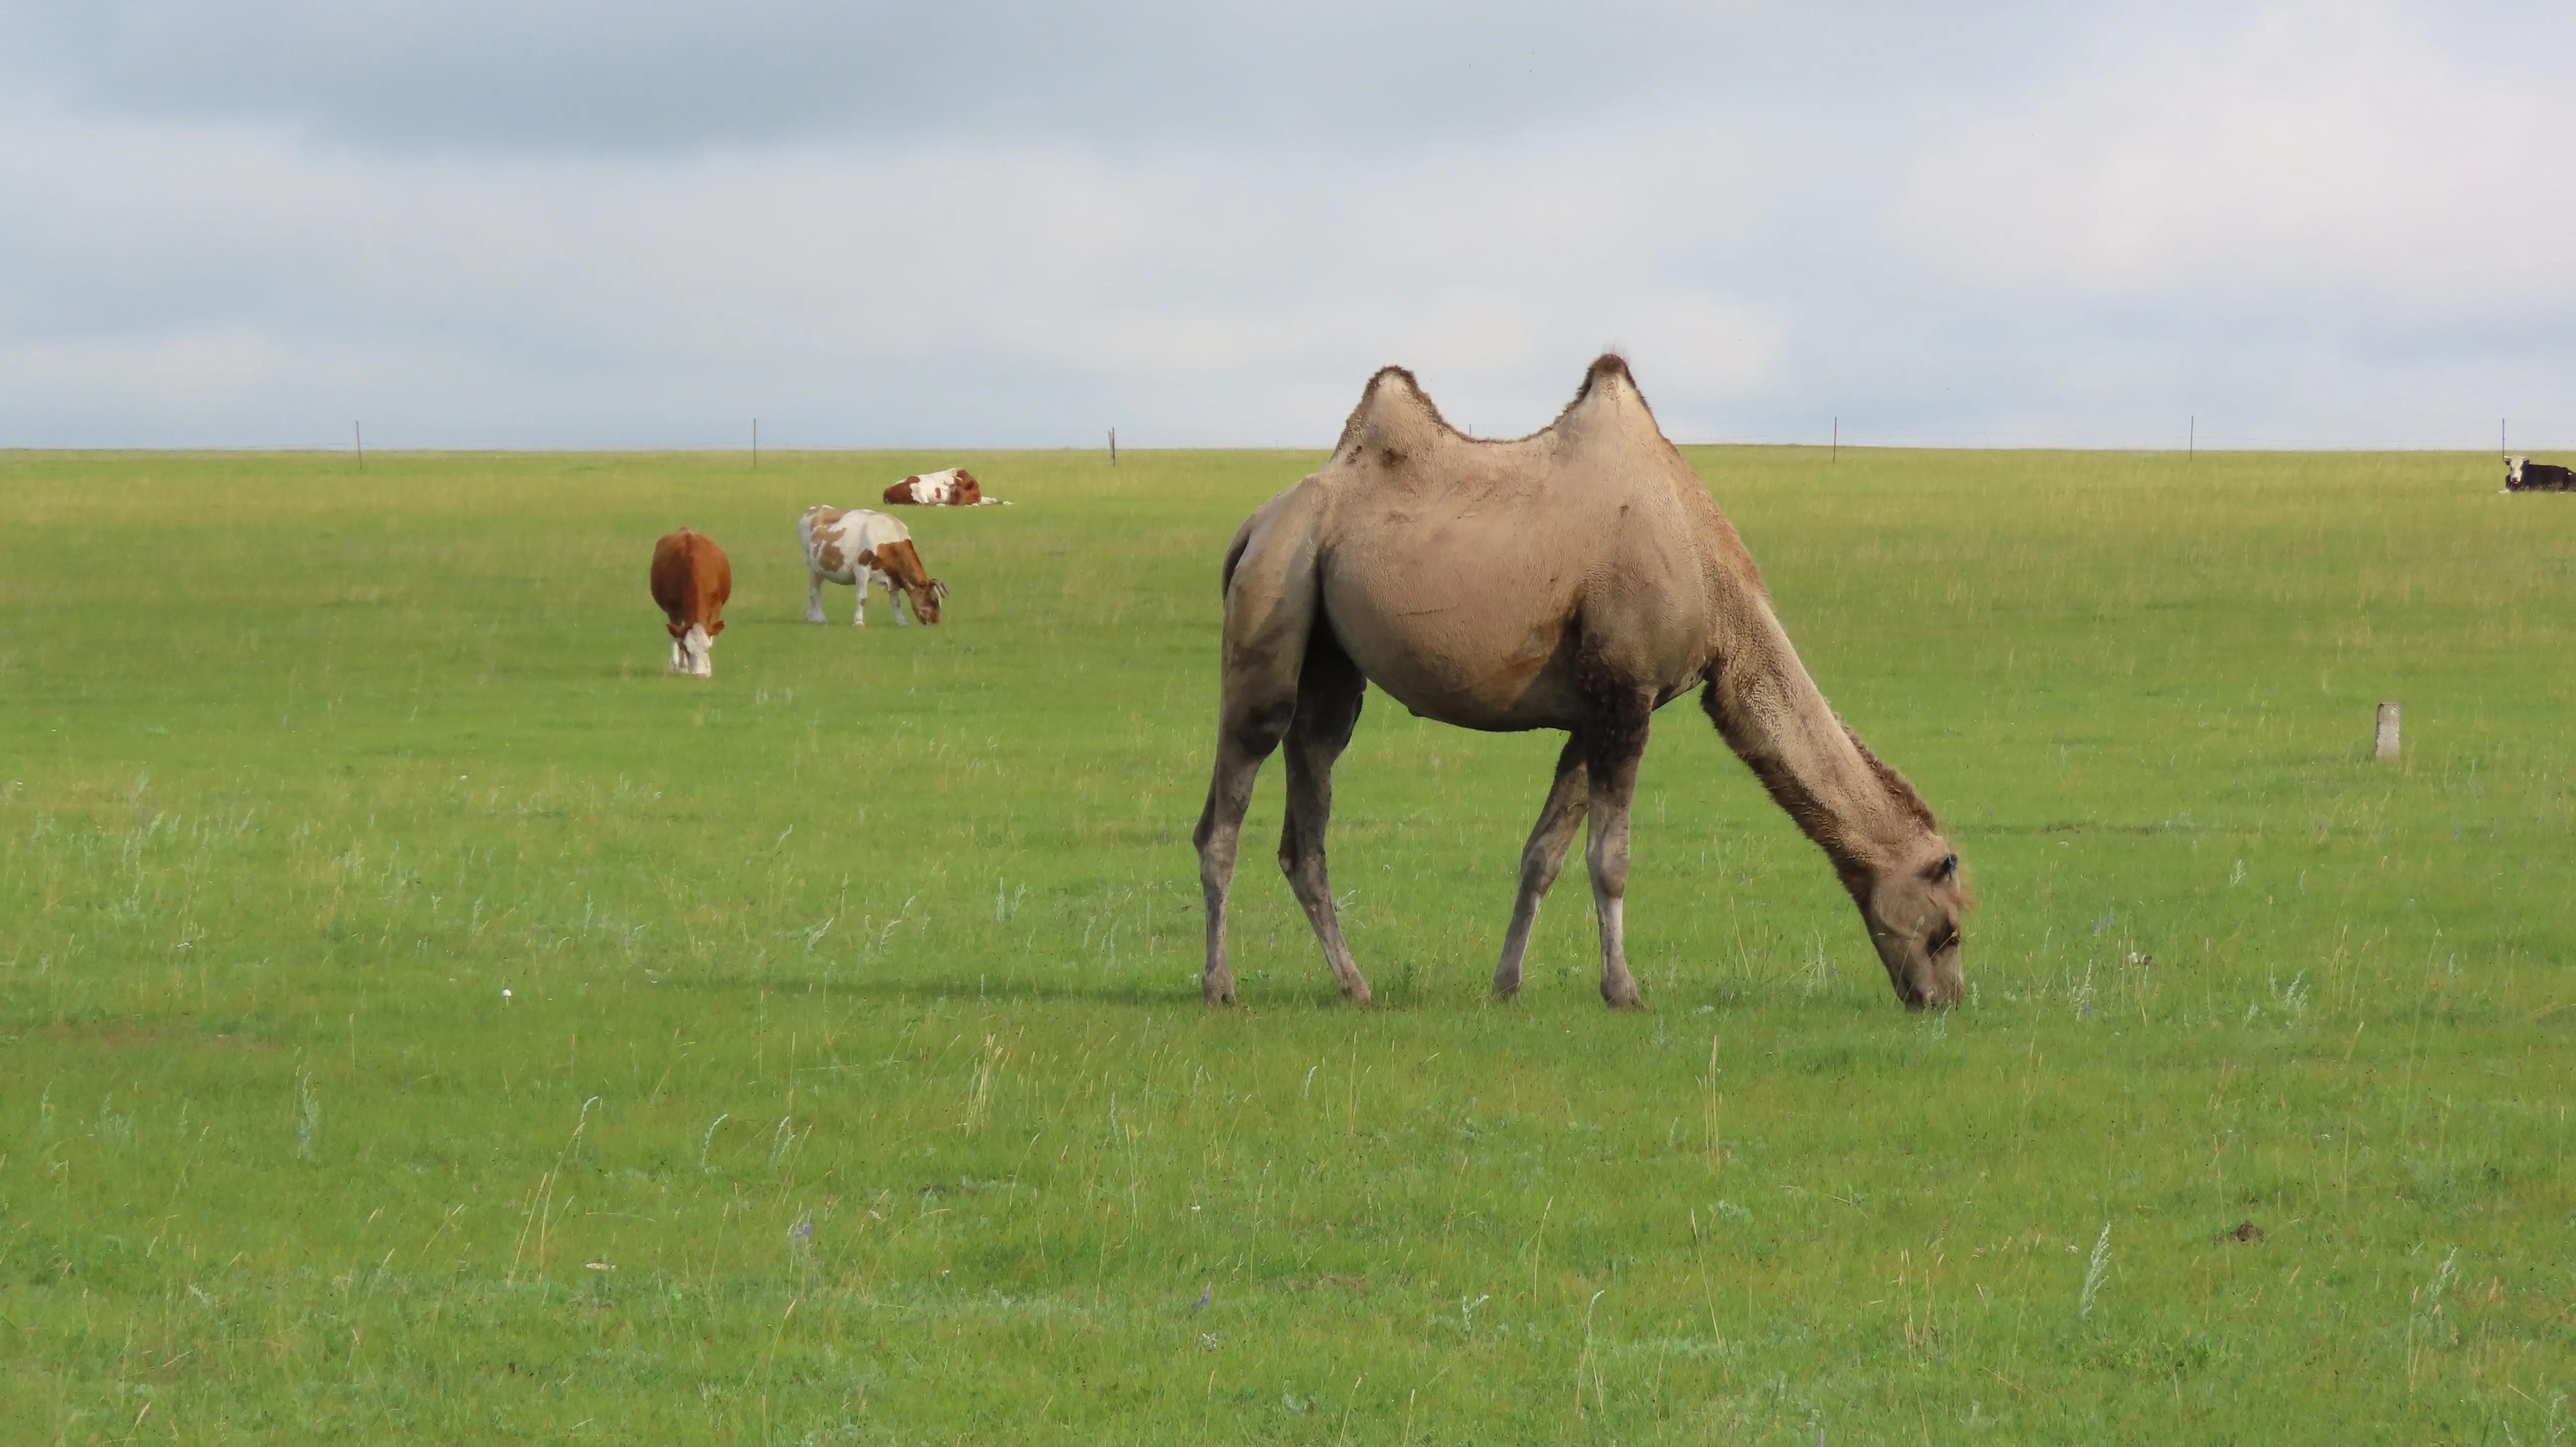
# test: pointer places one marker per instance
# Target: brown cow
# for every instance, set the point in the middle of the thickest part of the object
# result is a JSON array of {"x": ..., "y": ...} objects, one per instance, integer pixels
[
  {"x": 691, "y": 580},
  {"x": 954, "y": 487}
]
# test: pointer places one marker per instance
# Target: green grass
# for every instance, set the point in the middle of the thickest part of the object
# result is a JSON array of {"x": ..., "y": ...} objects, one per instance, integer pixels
[{"x": 852, "y": 1084}]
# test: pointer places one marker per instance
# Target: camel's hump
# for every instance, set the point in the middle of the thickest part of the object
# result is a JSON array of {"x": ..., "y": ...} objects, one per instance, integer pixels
[
  {"x": 1608, "y": 364},
  {"x": 1608, "y": 379},
  {"x": 1396, "y": 417}
]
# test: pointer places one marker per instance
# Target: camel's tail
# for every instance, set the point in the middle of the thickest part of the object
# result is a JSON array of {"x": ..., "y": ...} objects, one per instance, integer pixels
[{"x": 1233, "y": 555}]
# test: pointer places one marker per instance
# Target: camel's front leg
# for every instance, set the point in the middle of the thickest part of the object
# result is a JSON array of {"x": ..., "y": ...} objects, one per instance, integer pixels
[
  {"x": 1614, "y": 752},
  {"x": 1329, "y": 692},
  {"x": 1542, "y": 857}
]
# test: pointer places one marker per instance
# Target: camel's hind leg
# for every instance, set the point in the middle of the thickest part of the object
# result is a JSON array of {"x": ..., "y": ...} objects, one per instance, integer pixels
[
  {"x": 1329, "y": 692},
  {"x": 1542, "y": 857},
  {"x": 1241, "y": 744},
  {"x": 1269, "y": 613},
  {"x": 1613, "y": 751}
]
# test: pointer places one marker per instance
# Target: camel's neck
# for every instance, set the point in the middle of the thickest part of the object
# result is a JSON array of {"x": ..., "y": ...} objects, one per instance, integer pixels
[{"x": 1864, "y": 815}]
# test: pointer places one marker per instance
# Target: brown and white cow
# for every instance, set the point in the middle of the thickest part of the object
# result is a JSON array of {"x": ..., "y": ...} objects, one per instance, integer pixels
[
  {"x": 859, "y": 547},
  {"x": 954, "y": 487},
  {"x": 691, "y": 580}
]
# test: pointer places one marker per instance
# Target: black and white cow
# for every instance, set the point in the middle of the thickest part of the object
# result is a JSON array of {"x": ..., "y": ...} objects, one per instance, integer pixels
[{"x": 2521, "y": 474}]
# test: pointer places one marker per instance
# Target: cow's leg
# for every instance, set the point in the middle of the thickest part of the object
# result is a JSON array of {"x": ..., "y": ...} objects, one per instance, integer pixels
[
  {"x": 1613, "y": 748},
  {"x": 679, "y": 655},
  {"x": 813, "y": 596},
  {"x": 1329, "y": 692},
  {"x": 1567, "y": 799},
  {"x": 859, "y": 611},
  {"x": 701, "y": 651},
  {"x": 894, "y": 598}
]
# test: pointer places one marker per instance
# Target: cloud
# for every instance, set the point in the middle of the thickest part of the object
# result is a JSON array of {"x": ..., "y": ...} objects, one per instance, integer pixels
[
  {"x": 549, "y": 225},
  {"x": 639, "y": 76},
  {"x": 2315, "y": 149}
]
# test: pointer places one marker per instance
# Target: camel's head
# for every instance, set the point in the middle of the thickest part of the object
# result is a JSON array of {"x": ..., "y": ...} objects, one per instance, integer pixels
[{"x": 1913, "y": 912}]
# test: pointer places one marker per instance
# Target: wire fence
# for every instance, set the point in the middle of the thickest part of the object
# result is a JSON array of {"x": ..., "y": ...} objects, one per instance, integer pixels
[{"x": 790, "y": 437}]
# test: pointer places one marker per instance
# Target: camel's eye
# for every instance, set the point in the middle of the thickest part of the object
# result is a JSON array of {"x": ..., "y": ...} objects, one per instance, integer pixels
[{"x": 1944, "y": 938}]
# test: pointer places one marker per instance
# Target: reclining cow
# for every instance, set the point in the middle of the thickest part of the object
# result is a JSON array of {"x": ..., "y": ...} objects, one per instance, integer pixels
[
  {"x": 859, "y": 547},
  {"x": 954, "y": 487},
  {"x": 2521, "y": 474}
]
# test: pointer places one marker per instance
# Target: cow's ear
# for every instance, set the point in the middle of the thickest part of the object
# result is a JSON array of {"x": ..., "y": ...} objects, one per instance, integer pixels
[{"x": 715, "y": 628}]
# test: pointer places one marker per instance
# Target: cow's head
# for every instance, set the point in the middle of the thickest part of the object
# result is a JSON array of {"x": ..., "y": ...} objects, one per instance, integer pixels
[
  {"x": 693, "y": 649},
  {"x": 925, "y": 599}
]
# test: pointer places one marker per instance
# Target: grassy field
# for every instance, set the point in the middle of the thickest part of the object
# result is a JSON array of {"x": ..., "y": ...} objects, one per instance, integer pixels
[{"x": 421, "y": 1019}]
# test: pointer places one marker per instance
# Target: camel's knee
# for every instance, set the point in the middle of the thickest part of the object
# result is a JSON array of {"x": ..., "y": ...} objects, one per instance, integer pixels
[
  {"x": 1217, "y": 839},
  {"x": 1240, "y": 751},
  {"x": 1305, "y": 871},
  {"x": 1301, "y": 858}
]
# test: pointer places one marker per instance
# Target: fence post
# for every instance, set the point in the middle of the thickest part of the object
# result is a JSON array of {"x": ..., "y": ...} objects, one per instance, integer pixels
[
  {"x": 358, "y": 431},
  {"x": 2387, "y": 743},
  {"x": 1113, "y": 447}
]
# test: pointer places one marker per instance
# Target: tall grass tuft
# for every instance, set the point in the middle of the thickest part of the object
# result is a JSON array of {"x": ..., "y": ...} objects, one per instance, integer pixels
[
  {"x": 2426, "y": 1327},
  {"x": 308, "y": 1115},
  {"x": 2094, "y": 1272}
]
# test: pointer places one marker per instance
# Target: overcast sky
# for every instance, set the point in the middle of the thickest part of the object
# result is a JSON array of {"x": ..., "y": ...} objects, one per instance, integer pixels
[{"x": 987, "y": 222}]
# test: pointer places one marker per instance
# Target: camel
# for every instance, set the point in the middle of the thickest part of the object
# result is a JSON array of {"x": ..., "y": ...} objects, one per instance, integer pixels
[{"x": 1578, "y": 578}]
